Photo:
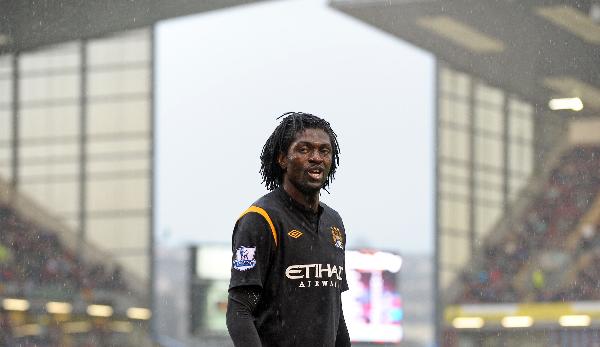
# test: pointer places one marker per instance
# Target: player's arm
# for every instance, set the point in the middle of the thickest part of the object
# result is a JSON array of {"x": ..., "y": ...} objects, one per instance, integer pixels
[
  {"x": 240, "y": 319},
  {"x": 252, "y": 244},
  {"x": 343, "y": 337}
]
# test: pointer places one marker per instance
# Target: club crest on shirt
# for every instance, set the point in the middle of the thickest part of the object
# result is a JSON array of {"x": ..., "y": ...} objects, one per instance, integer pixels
[
  {"x": 295, "y": 233},
  {"x": 244, "y": 258},
  {"x": 336, "y": 234}
]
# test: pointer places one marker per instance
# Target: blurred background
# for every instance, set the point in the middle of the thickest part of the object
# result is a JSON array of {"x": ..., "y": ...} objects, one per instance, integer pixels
[{"x": 130, "y": 135}]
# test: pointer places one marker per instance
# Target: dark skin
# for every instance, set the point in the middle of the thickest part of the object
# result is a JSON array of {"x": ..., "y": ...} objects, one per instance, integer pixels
[{"x": 306, "y": 166}]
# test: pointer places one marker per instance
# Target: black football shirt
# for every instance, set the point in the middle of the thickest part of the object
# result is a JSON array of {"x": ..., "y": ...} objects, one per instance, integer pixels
[{"x": 297, "y": 257}]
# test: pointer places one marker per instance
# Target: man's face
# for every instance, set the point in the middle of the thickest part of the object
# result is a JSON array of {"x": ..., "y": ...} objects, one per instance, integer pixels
[{"x": 308, "y": 160}]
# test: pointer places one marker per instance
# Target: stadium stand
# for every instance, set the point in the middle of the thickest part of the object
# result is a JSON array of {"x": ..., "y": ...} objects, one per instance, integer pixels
[
  {"x": 556, "y": 231},
  {"x": 39, "y": 265},
  {"x": 32, "y": 257}
]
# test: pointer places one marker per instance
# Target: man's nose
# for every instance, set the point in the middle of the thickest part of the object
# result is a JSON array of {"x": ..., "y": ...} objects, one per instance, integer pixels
[{"x": 316, "y": 156}]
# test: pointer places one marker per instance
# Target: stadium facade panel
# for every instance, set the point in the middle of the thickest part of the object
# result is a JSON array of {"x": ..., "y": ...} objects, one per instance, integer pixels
[{"x": 77, "y": 143}]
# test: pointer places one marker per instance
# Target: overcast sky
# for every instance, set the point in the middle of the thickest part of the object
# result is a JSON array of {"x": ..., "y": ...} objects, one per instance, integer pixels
[{"x": 224, "y": 76}]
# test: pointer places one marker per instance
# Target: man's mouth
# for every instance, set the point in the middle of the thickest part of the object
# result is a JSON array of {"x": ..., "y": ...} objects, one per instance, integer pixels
[{"x": 316, "y": 174}]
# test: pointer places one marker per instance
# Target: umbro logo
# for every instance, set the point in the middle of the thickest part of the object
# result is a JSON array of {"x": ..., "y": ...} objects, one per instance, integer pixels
[{"x": 295, "y": 233}]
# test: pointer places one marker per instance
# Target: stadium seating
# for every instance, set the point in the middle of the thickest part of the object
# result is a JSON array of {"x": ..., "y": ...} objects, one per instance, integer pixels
[
  {"x": 33, "y": 257},
  {"x": 34, "y": 264},
  {"x": 550, "y": 244}
]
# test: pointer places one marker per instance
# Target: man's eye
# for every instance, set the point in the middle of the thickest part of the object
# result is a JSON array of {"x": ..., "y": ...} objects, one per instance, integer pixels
[
  {"x": 325, "y": 151},
  {"x": 303, "y": 150}
]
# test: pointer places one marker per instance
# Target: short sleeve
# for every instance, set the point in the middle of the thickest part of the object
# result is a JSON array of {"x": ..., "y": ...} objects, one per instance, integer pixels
[
  {"x": 252, "y": 245},
  {"x": 344, "y": 280}
]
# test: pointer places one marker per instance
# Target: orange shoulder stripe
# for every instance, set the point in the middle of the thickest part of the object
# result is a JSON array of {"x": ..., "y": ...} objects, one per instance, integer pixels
[{"x": 265, "y": 215}]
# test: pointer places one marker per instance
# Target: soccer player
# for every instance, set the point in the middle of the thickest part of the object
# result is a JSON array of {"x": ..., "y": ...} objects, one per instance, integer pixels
[{"x": 288, "y": 269}]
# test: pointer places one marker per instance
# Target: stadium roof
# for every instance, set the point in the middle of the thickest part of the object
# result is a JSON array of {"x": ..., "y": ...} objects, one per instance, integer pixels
[
  {"x": 539, "y": 49},
  {"x": 27, "y": 24}
]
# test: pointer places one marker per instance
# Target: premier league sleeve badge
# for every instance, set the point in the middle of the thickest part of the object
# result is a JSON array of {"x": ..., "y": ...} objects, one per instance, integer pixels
[{"x": 244, "y": 258}]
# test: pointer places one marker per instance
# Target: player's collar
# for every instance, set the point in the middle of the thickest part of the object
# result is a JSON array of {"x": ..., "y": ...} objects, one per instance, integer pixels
[{"x": 295, "y": 204}]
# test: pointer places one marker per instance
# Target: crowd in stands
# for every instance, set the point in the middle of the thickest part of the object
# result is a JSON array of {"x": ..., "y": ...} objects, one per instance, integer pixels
[
  {"x": 32, "y": 260},
  {"x": 32, "y": 257},
  {"x": 537, "y": 241}
]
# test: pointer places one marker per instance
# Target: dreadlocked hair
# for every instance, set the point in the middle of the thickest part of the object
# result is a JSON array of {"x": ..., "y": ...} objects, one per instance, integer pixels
[{"x": 281, "y": 139}]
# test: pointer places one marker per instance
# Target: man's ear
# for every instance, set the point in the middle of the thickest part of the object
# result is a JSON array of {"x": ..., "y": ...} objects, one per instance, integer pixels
[{"x": 282, "y": 161}]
